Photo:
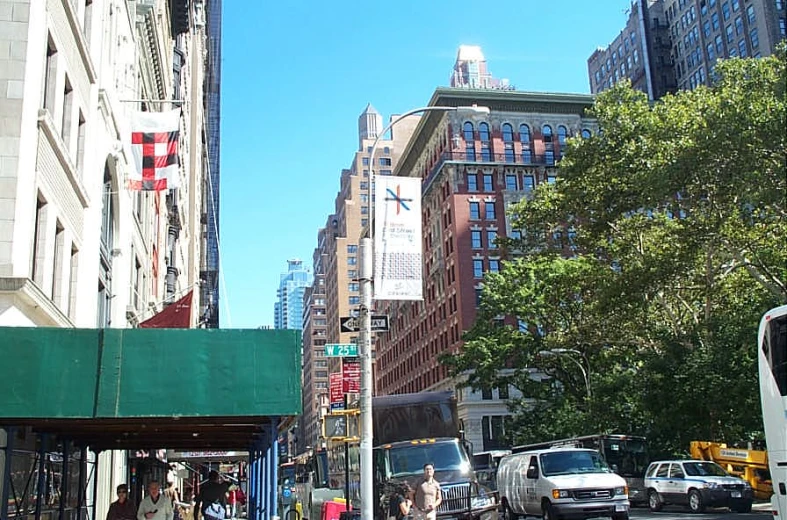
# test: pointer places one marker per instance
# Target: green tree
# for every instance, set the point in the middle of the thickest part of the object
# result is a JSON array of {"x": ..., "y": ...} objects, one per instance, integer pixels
[{"x": 674, "y": 216}]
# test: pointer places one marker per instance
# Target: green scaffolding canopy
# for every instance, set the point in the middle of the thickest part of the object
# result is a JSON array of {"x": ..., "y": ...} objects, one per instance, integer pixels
[{"x": 119, "y": 387}]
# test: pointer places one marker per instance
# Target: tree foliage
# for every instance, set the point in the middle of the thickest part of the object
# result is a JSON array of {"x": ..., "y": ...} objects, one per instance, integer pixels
[{"x": 673, "y": 218}]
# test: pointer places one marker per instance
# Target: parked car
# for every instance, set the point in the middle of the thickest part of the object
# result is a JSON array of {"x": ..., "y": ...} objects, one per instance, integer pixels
[{"x": 697, "y": 484}]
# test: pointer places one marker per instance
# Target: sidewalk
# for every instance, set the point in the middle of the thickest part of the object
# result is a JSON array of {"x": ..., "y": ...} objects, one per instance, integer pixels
[{"x": 761, "y": 506}]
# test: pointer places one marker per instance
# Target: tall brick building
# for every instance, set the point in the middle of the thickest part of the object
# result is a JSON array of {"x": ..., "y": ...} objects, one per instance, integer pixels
[{"x": 472, "y": 169}]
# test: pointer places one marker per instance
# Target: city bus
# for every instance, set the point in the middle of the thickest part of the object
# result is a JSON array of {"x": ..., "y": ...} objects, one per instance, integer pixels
[
  {"x": 772, "y": 356},
  {"x": 627, "y": 455}
]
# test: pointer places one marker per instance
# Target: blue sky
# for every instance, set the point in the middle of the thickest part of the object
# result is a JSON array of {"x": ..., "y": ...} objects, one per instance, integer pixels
[{"x": 296, "y": 75}]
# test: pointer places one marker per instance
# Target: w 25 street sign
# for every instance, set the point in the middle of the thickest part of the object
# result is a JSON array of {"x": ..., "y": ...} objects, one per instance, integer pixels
[{"x": 341, "y": 350}]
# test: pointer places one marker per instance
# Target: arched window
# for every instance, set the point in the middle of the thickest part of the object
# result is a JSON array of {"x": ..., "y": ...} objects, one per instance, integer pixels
[
  {"x": 107, "y": 244},
  {"x": 508, "y": 142},
  {"x": 547, "y": 133},
  {"x": 524, "y": 139},
  {"x": 469, "y": 136},
  {"x": 585, "y": 133},
  {"x": 486, "y": 147},
  {"x": 562, "y": 134}
]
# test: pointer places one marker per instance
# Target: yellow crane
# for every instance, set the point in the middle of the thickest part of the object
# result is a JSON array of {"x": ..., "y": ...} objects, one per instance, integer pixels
[{"x": 750, "y": 465}]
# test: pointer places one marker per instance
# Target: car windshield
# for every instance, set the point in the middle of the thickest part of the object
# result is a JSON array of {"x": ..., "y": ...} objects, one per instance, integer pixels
[
  {"x": 570, "y": 462},
  {"x": 704, "y": 469},
  {"x": 410, "y": 460}
]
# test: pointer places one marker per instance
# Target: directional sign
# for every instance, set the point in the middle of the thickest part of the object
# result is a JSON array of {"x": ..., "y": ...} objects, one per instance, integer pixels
[
  {"x": 353, "y": 323},
  {"x": 341, "y": 350}
]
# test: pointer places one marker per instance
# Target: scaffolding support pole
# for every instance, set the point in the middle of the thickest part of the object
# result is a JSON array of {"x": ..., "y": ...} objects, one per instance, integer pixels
[{"x": 10, "y": 434}]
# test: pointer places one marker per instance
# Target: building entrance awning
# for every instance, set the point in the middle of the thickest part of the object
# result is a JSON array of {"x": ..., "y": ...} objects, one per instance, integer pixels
[{"x": 184, "y": 389}]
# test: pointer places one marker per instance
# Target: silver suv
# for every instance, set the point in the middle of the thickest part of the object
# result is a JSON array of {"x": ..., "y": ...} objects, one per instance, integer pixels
[{"x": 696, "y": 483}]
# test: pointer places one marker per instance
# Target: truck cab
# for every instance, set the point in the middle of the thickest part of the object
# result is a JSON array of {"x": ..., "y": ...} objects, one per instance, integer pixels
[{"x": 396, "y": 462}]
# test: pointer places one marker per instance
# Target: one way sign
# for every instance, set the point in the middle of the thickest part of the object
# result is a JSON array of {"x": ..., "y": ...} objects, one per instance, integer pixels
[{"x": 353, "y": 323}]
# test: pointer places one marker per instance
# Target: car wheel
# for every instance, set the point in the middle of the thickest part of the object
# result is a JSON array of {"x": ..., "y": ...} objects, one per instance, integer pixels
[
  {"x": 507, "y": 513},
  {"x": 695, "y": 502},
  {"x": 547, "y": 513},
  {"x": 654, "y": 501},
  {"x": 742, "y": 508}
]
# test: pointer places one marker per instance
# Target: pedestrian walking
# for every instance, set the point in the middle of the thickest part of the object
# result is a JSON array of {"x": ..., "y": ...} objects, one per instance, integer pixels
[
  {"x": 212, "y": 498},
  {"x": 155, "y": 506},
  {"x": 428, "y": 495},
  {"x": 401, "y": 502},
  {"x": 122, "y": 508}
]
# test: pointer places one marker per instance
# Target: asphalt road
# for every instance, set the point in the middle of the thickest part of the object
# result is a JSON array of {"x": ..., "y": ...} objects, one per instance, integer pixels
[{"x": 679, "y": 513}]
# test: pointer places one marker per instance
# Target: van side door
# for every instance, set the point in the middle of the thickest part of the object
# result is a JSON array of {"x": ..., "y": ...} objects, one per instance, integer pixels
[{"x": 532, "y": 502}]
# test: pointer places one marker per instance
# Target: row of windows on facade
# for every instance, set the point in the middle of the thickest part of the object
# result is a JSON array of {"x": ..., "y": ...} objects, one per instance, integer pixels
[
  {"x": 621, "y": 53},
  {"x": 610, "y": 67}
]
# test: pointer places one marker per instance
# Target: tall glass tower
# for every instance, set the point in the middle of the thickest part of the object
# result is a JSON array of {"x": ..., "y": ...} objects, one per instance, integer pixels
[
  {"x": 288, "y": 310},
  {"x": 209, "y": 290}
]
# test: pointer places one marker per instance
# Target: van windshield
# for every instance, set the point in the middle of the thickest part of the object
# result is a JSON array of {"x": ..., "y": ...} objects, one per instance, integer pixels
[{"x": 570, "y": 462}]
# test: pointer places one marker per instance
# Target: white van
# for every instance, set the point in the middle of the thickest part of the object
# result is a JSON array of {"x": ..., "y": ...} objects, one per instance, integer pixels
[{"x": 561, "y": 483}]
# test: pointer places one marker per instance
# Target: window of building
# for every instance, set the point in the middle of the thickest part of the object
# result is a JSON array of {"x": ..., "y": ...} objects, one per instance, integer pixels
[
  {"x": 706, "y": 28},
  {"x": 486, "y": 147},
  {"x": 528, "y": 183},
  {"x": 467, "y": 131},
  {"x": 365, "y": 161},
  {"x": 585, "y": 133},
  {"x": 352, "y": 274},
  {"x": 491, "y": 238},
  {"x": 489, "y": 208},
  {"x": 50, "y": 76},
  {"x": 386, "y": 150},
  {"x": 354, "y": 300},
  {"x": 486, "y": 394},
  {"x": 742, "y": 48},
  {"x": 783, "y": 27},
  {"x": 475, "y": 210},
  {"x": 352, "y": 286},
  {"x": 711, "y": 53},
  {"x": 385, "y": 161},
  {"x": 547, "y": 134},
  {"x": 352, "y": 260},
  {"x": 730, "y": 34},
  {"x": 478, "y": 268},
  {"x": 508, "y": 142},
  {"x": 719, "y": 45},
  {"x": 725, "y": 11},
  {"x": 68, "y": 109},
  {"x": 549, "y": 157},
  {"x": 511, "y": 183},
  {"x": 494, "y": 266},
  {"x": 524, "y": 140},
  {"x": 755, "y": 38},
  {"x": 352, "y": 249},
  {"x": 472, "y": 182},
  {"x": 714, "y": 18},
  {"x": 738, "y": 26},
  {"x": 475, "y": 239},
  {"x": 487, "y": 178},
  {"x": 752, "y": 16},
  {"x": 562, "y": 134},
  {"x": 386, "y": 172},
  {"x": 551, "y": 179}
]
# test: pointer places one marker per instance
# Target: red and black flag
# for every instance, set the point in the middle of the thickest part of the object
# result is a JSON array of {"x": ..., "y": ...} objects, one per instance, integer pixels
[{"x": 154, "y": 143}]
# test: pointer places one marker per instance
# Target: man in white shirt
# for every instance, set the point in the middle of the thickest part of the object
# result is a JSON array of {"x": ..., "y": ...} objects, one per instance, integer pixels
[
  {"x": 155, "y": 506},
  {"x": 428, "y": 494}
]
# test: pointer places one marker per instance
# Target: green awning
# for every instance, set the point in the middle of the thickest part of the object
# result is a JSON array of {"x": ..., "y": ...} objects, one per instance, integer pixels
[{"x": 100, "y": 379}]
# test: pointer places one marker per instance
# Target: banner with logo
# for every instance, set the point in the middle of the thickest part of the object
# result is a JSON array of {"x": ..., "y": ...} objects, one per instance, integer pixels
[
  {"x": 397, "y": 238},
  {"x": 336, "y": 394}
]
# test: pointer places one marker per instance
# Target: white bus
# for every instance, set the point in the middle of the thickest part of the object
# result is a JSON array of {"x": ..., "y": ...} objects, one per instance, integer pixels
[{"x": 772, "y": 354}]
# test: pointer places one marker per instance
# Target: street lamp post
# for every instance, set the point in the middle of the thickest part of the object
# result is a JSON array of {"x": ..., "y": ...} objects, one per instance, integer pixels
[
  {"x": 365, "y": 313},
  {"x": 564, "y": 352}
]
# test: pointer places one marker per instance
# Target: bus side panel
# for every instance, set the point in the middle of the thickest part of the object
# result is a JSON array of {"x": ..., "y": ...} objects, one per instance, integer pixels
[{"x": 772, "y": 355}]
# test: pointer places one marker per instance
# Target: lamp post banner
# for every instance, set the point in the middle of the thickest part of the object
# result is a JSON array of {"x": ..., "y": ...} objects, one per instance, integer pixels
[{"x": 397, "y": 238}]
